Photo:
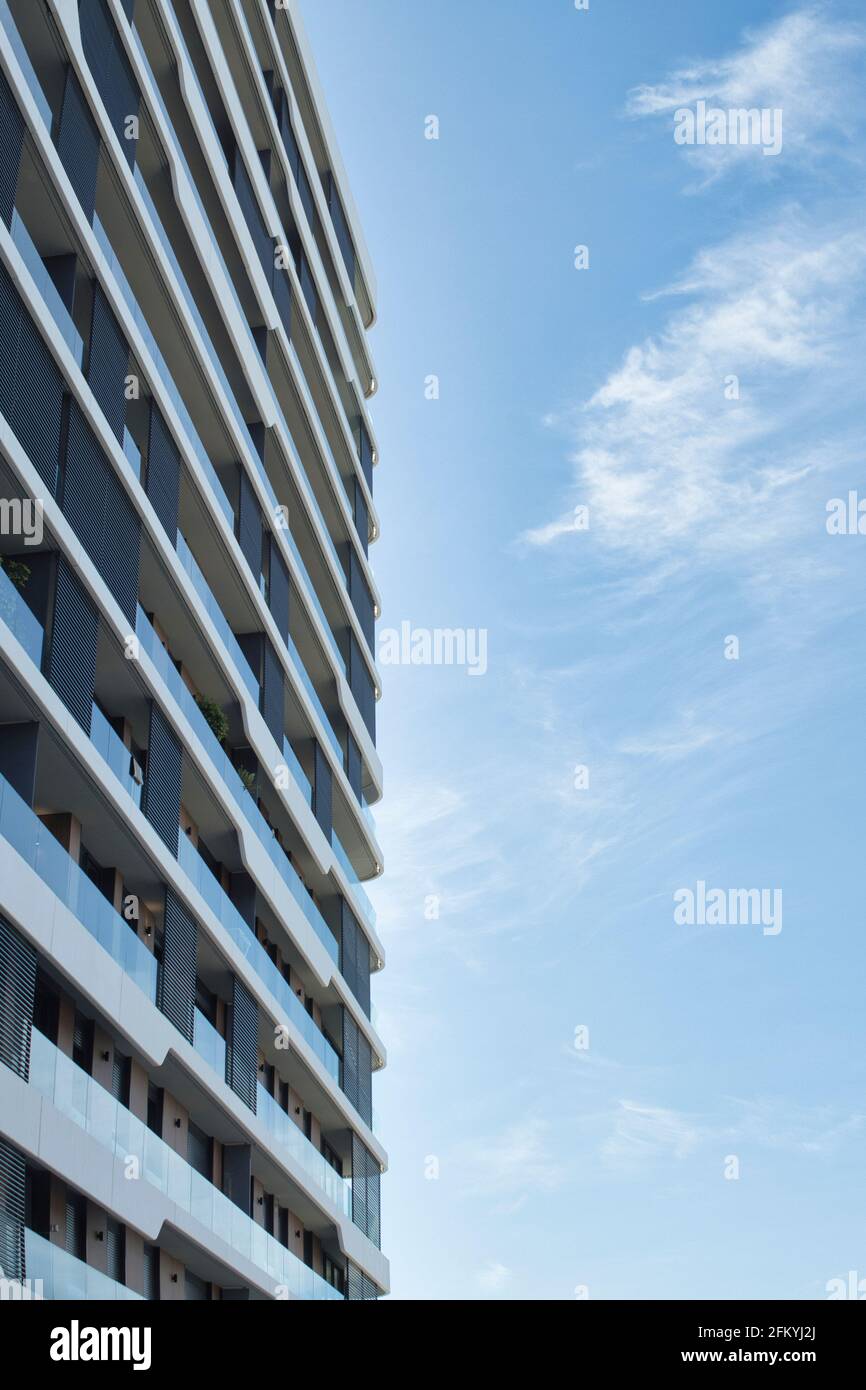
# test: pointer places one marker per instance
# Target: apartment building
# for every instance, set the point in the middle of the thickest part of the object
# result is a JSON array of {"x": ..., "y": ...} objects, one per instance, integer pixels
[{"x": 187, "y": 672}]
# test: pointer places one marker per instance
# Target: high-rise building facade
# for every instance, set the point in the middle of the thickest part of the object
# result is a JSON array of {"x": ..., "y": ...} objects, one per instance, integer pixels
[{"x": 187, "y": 668}]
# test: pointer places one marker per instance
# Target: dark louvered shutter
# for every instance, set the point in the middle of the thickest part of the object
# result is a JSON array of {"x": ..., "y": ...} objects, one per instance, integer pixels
[
  {"x": 249, "y": 524},
  {"x": 162, "y": 782},
  {"x": 283, "y": 298},
  {"x": 70, "y": 665},
  {"x": 78, "y": 144},
  {"x": 112, "y": 74},
  {"x": 349, "y": 1079},
  {"x": 365, "y": 1191},
  {"x": 288, "y": 135},
  {"x": 11, "y": 142},
  {"x": 273, "y": 693},
  {"x": 341, "y": 227},
  {"x": 17, "y": 999},
  {"x": 365, "y": 454},
  {"x": 362, "y": 600},
  {"x": 76, "y": 1225},
  {"x": 278, "y": 589},
  {"x": 116, "y": 1251},
  {"x": 308, "y": 286},
  {"x": 151, "y": 1273},
  {"x": 242, "y": 1044},
  {"x": 361, "y": 513},
  {"x": 11, "y": 313},
  {"x": 355, "y": 957},
  {"x": 353, "y": 765},
  {"x": 12, "y": 1211},
  {"x": 100, "y": 512},
  {"x": 322, "y": 791},
  {"x": 361, "y": 686},
  {"x": 365, "y": 1079},
  {"x": 31, "y": 385},
  {"x": 253, "y": 218},
  {"x": 108, "y": 362},
  {"x": 163, "y": 472},
  {"x": 177, "y": 971},
  {"x": 359, "y": 1287}
]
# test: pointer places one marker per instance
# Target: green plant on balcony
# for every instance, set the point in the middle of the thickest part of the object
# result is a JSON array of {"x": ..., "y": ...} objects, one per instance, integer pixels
[
  {"x": 218, "y": 722},
  {"x": 18, "y": 572},
  {"x": 248, "y": 778}
]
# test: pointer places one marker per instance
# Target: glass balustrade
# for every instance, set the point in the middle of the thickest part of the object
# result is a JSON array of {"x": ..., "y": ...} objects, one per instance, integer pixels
[
  {"x": 53, "y": 1273},
  {"x": 162, "y": 368},
  {"x": 25, "y": 832},
  {"x": 368, "y": 909},
  {"x": 232, "y": 781},
  {"x": 216, "y": 615},
  {"x": 112, "y": 748},
  {"x": 77, "y": 1096},
  {"x": 254, "y": 953},
  {"x": 209, "y": 1044},
  {"x": 21, "y": 621},
  {"x": 290, "y": 1137},
  {"x": 46, "y": 287},
  {"x": 11, "y": 30}
]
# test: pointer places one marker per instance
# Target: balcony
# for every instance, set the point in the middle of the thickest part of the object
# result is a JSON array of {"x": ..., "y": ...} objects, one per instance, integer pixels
[
  {"x": 53, "y": 1273},
  {"x": 209, "y": 1044},
  {"x": 24, "y": 831},
  {"x": 254, "y": 953},
  {"x": 290, "y": 1137},
  {"x": 22, "y": 623},
  {"x": 115, "y": 752},
  {"x": 77, "y": 1096}
]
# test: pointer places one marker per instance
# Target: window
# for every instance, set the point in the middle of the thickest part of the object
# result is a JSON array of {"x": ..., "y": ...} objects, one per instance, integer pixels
[
  {"x": 154, "y": 1108},
  {"x": 76, "y": 1225},
  {"x": 116, "y": 1251},
  {"x": 200, "y": 1151},
  {"x": 120, "y": 1076},
  {"x": 332, "y": 1157},
  {"x": 82, "y": 1042},
  {"x": 46, "y": 1009},
  {"x": 151, "y": 1272},
  {"x": 196, "y": 1290},
  {"x": 333, "y": 1274}
]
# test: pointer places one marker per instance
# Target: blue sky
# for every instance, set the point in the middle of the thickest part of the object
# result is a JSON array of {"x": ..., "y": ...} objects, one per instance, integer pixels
[{"x": 603, "y": 1168}]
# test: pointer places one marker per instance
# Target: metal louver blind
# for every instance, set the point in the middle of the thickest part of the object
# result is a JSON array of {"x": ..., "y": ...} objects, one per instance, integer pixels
[
  {"x": 365, "y": 1079},
  {"x": 163, "y": 472},
  {"x": 11, "y": 143},
  {"x": 354, "y": 768},
  {"x": 242, "y": 1044},
  {"x": 71, "y": 658},
  {"x": 151, "y": 1272},
  {"x": 116, "y": 1251},
  {"x": 100, "y": 512},
  {"x": 249, "y": 524},
  {"x": 361, "y": 686},
  {"x": 177, "y": 971},
  {"x": 78, "y": 144},
  {"x": 273, "y": 693},
  {"x": 12, "y": 1211},
  {"x": 162, "y": 782},
  {"x": 359, "y": 1287},
  {"x": 349, "y": 1070},
  {"x": 322, "y": 791},
  {"x": 108, "y": 362},
  {"x": 279, "y": 591},
  {"x": 76, "y": 1225},
  {"x": 362, "y": 600},
  {"x": 365, "y": 453},
  {"x": 31, "y": 384},
  {"x": 249, "y": 207},
  {"x": 365, "y": 1191},
  {"x": 341, "y": 227},
  {"x": 103, "y": 49},
  {"x": 283, "y": 297},
  {"x": 361, "y": 513},
  {"x": 17, "y": 999},
  {"x": 355, "y": 957}
]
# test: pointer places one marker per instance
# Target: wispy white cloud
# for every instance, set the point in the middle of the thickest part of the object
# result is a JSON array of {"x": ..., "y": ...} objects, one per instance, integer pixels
[
  {"x": 804, "y": 65},
  {"x": 701, "y": 446},
  {"x": 494, "y": 1277},
  {"x": 516, "y": 1161}
]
